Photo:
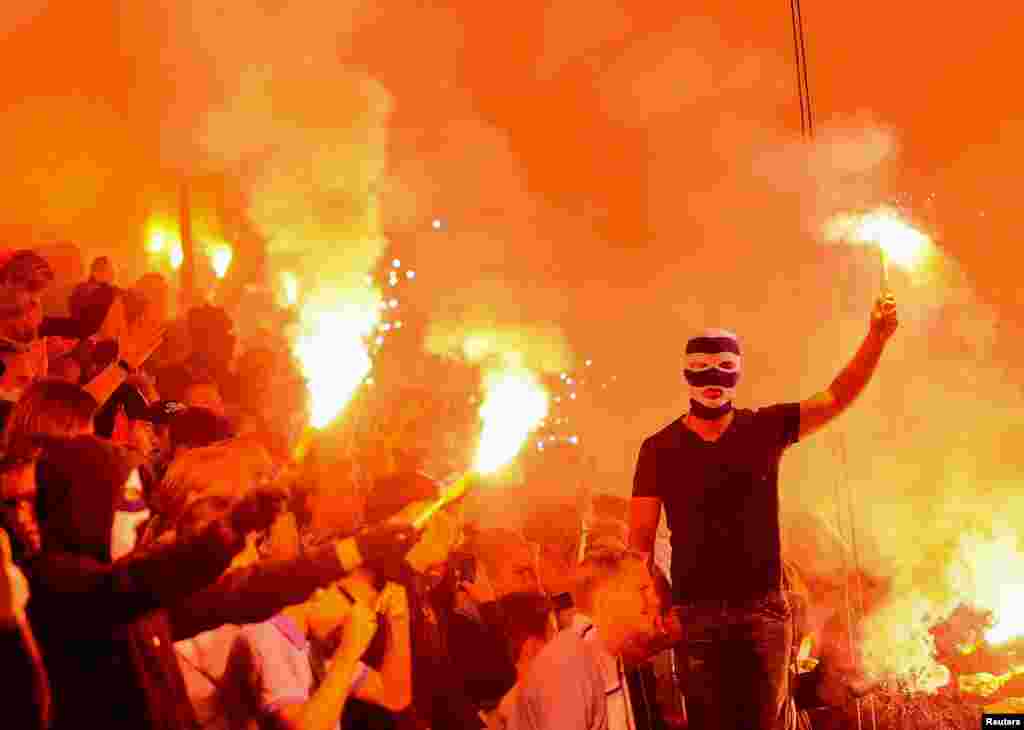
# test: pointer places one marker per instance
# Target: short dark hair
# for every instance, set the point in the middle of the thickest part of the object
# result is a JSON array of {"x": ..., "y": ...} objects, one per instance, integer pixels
[
  {"x": 197, "y": 427},
  {"x": 524, "y": 616},
  {"x": 48, "y": 408},
  {"x": 100, "y": 261},
  {"x": 26, "y": 268}
]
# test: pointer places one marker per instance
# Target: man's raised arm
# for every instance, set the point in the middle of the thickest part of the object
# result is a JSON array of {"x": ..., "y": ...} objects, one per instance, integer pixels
[{"x": 820, "y": 409}]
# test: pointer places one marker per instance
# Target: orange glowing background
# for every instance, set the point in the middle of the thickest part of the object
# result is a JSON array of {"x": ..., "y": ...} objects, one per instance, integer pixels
[{"x": 620, "y": 177}]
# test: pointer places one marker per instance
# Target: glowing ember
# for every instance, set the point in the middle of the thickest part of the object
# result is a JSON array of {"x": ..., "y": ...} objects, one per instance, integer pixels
[
  {"x": 332, "y": 349},
  {"x": 514, "y": 404},
  {"x": 220, "y": 258},
  {"x": 903, "y": 244}
]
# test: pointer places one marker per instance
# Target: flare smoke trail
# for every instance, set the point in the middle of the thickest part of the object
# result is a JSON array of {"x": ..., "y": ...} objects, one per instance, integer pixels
[
  {"x": 265, "y": 97},
  {"x": 681, "y": 132}
]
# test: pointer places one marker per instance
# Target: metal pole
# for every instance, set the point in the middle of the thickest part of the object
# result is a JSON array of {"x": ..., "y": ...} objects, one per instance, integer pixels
[{"x": 188, "y": 263}]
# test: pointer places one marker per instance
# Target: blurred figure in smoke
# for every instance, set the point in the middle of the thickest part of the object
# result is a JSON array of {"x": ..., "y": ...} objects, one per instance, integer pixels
[
  {"x": 152, "y": 288},
  {"x": 24, "y": 278},
  {"x": 211, "y": 334},
  {"x": 716, "y": 471},
  {"x": 204, "y": 393},
  {"x": 101, "y": 273}
]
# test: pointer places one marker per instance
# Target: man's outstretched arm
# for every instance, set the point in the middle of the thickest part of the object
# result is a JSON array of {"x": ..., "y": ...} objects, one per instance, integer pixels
[{"x": 818, "y": 410}]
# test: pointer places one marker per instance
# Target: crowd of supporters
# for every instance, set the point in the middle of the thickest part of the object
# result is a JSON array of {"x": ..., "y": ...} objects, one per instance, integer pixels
[{"x": 168, "y": 563}]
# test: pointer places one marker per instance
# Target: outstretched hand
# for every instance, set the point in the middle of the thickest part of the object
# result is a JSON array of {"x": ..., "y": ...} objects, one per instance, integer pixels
[
  {"x": 141, "y": 341},
  {"x": 884, "y": 317},
  {"x": 383, "y": 548}
]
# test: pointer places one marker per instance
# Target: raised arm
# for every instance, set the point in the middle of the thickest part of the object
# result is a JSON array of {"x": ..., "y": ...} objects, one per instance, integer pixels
[
  {"x": 255, "y": 593},
  {"x": 323, "y": 710},
  {"x": 105, "y": 595},
  {"x": 135, "y": 347},
  {"x": 391, "y": 687},
  {"x": 822, "y": 407}
]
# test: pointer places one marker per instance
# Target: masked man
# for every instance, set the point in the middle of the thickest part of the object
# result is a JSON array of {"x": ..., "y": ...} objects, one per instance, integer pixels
[{"x": 715, "y": 470}]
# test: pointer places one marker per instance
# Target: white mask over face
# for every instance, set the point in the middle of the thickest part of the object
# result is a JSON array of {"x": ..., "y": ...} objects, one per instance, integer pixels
[
  {"x": 713, "y": 368},
  {"x": 131, "y": 513}
]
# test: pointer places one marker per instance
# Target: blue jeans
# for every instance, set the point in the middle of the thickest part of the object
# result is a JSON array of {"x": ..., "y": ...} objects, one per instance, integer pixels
[{"x": 734, "y": 662}]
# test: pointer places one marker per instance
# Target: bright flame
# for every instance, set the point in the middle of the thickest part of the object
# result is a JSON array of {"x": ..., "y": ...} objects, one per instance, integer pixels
[
  {"x": 332, "y": 349},
  {"x": 156, "y": 242},
  {"x": 177, "y": 255},
  {"x": 903, "y": 244},
  {"x": 514, "y": 404},
  {"x": 220, "y": 258},
  {"x": 1009, "y": 615},
  {"x": 990, "y": 571},
  {"x": 986, "y": 573},
  {"x": 290, "y": 288},
  {"x": 162, "y": 239}
]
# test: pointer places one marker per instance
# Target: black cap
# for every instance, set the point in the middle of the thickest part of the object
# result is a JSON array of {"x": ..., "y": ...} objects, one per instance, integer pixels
[
  {"x": 197, "y": 427},
  {"x": 135, "y": 406}
]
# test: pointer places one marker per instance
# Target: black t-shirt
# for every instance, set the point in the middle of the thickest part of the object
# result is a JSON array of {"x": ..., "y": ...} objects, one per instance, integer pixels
[{"x": 721, "y": 499}]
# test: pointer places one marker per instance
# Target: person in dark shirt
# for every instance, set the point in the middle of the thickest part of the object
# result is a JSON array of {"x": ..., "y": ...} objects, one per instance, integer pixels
[
  {"x": 101, "y": 273},
  {"x": 716, "y": 472}
]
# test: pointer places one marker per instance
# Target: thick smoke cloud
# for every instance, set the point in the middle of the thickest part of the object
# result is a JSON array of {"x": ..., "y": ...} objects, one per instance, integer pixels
[
  {"x": 264, "y": 97},
  {"x": 350, "y": 123}
]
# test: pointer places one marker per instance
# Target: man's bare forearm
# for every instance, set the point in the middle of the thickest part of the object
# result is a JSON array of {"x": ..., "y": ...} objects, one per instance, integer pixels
[{"x": 851, "y": 382}]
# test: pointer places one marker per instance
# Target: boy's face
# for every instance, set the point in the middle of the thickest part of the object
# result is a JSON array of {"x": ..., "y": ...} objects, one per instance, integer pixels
[{"x": 18, "y": 506}]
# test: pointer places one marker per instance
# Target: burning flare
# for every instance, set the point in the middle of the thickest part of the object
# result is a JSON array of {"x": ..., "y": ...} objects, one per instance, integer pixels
[
  {"x": 989, "y": 574},
  {"x": 163, "y": 241},
  {"x": 332, "y": 348},
  {"x": 902, "y": 243},
  {"x": 985, "y": 572},
  {"x": 220, "y": 258},
  {"x": 514, "y": 405}
]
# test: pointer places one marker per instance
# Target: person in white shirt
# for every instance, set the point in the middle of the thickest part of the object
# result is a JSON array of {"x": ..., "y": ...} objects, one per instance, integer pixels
[
  {"x": 578, "y": 680},
  {"x": 527, "y": 624}
]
